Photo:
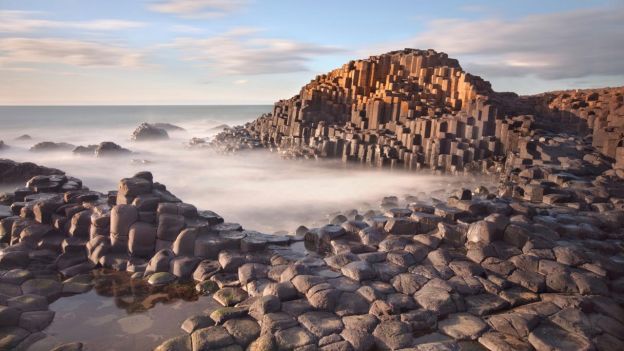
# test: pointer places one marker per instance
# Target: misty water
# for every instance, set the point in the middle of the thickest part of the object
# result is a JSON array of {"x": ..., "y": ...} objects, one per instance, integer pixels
[{"x": 256, "y": 188}]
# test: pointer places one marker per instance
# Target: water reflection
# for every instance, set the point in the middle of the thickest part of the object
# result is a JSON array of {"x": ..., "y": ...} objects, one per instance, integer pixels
[
  {"x": 121, "y": 313},
  {"x": 136, "y": 295}
]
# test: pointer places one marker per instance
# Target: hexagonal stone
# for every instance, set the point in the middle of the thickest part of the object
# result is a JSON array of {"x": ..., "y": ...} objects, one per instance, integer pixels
[
  {"x": 516, "y": 324},
  {"x": 36, "y": 320},
  {"x": 292, "y": 338},
  {"x": 272, "y": 322},
  {"x": 393, "y": 335},
  {"x": 547, "y": 336},
  {"x": 351, "y": 303},
  {"x": 196, "y": 322},
  {"x": 435, "y": 299},
  {"x": 484, "y": 304},
  {"x": 15, "y": 276},
  {"x": 221, "y": 315},
  {"x": 244, "y": 330},
  {"x": 45, "y": 287},
  {"x": 358, "y": 270},
  {"x": 10, "y": 337},
  {"x": 211, "y": 338},
  {"x": 366, "y": 322},
  {"x": 28, "y": 302},
  {"x": 229, "y": 296},
  {"x": 462, "y": 326},
  {"x": 321, "y": 323},
  {"x": 9, "y": 316},
  {"x": 179, "y": 343},
  {"x": 503, "y": 342}
]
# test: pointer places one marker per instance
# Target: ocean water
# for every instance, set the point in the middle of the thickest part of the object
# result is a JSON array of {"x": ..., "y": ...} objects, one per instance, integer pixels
[{"x": 254, "y": 188}]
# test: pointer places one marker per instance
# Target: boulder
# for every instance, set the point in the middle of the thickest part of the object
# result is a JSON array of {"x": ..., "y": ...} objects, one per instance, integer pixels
[{"x": 149, "y": 132}]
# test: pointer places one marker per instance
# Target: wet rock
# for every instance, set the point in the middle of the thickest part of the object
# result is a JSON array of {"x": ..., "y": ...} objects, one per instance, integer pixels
[
  {"x": 9, "y": 316},
  {"x": 35, "y": 320},
  {"x": 11, "y": 337},
  {"x": 49, "y": 288},
  {"x": 28, "y": 302},
  {"x": 161, "y": 278}
]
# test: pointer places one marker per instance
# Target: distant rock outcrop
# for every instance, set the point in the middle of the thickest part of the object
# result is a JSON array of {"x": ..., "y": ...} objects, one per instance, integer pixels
[
  {"x": 168, "y": 127},
  {"x": 104, "y": 149},
  {"x": 51, "y": 146},
  {"x": 146, "y": 132}
]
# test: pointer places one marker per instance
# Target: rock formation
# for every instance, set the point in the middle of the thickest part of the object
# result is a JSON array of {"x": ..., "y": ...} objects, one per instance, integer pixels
[
  {"x": 416, "y": 108},
  {"x": 103, "y": 149},
  {"x": 51, "y": 146},
  {"x": 12, "y": 172},
  {"x": 146, "y": 132}
]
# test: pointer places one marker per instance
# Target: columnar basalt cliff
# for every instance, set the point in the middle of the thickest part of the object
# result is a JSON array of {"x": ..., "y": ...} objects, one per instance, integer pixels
[
  {"x": 415, "y": 108},
  {"x": 409, "y": 107}
]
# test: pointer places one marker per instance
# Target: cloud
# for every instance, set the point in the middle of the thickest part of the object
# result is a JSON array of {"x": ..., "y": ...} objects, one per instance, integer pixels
[
  {"x": 241, "y": 51},
  {"x": 24, "y": 21},
  {"x": 199, "y": 8},
  {"x": 182, "y": 28},
  {"x": 66, "y": 51},
  {"x": 549, "y": 46},
  {"x": 240, "y": 81}
]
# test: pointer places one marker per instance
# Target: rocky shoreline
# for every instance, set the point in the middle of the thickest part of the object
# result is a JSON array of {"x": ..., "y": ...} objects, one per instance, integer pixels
[{"x": 537, "y": 264}]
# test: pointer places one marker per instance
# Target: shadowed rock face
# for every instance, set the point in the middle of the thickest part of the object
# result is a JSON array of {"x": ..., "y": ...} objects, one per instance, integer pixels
[{"x": 12, "y": 172}]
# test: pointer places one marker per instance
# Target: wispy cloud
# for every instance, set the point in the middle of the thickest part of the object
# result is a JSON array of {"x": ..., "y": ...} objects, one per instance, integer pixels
[
  {"x": 550, "y": 46},
  {"x": 242, "y": 51},
  {"x": 66, "y": 51},
  {"x": 198, "y": 8},
  {"x": 182, "y": 28},
  {"x": 25, "y": 21}
]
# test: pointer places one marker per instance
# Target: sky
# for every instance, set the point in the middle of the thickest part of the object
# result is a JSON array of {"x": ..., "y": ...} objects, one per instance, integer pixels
[{"x": 120, "y": 52}]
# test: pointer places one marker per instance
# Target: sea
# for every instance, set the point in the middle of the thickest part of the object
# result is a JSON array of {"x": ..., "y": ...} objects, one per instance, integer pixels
[{"x": 255, "y": 188}]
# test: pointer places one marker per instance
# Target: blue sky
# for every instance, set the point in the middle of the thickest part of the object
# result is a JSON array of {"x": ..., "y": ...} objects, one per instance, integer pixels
[{"x": 255, "y": 51}]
